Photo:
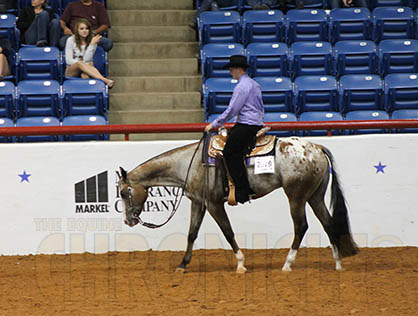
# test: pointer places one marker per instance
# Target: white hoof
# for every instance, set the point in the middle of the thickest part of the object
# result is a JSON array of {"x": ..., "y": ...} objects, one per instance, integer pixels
[
  {"x": 286, "y": 269},
  {"x": 241, "y": 270}
]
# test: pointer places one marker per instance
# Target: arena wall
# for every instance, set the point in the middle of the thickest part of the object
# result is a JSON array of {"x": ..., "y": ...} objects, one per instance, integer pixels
[{"x": 63, "y": 198}]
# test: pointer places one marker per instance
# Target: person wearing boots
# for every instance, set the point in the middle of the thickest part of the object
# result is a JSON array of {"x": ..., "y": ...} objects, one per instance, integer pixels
[{"x": 247, "y": 105}]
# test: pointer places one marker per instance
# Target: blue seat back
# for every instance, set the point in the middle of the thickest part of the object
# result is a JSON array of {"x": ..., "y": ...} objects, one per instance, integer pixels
[
  {"x": 360, "y": 92},
  {"x": 216, "y": 56},
  {"x": 267, "y": 59},
  {"x": 390, "y": 3},
  {"x": 393, "y": 23},
  {"x": 277, "y": 93},
  {"x": 315, "y": 93},
  {"x": 355, "y": 57},
  {"x": 100, "y": 61},
  {"x": 401, "y": 91},
  {"x": 8, "y": 29},
  {"x": 246, "y": 6},
  {"x": 84, "y": 120},
  {"x": 6, "y": 122},
  {"x": 217, "y": 93},
  {"x": 398, "y": 56},
  {"x": 263, "y": 26},
  {"x": 310, "y": 58},
  {"x": 38, "y": 98},
  {"x": 7, "y": 99},
  {"x": 37, "y": 121},
  {"x": 84, "y": 97},
  {"x": 280, "y": 117},
  {"x": 219, "y": 27},
  {"x": 306, "y": 25},
  {"x": 309, "y": 4},
  {"x": 405, "y": 115},
  {"x": 319, "y": 116},
  {"x": 349, "y": 24},
  {"x": 367, "y": 115},
  {"x": 39, "y": 63}
]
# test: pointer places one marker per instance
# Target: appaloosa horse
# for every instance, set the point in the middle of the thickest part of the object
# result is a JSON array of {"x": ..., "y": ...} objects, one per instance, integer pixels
[{"x": 302, "y": 168}]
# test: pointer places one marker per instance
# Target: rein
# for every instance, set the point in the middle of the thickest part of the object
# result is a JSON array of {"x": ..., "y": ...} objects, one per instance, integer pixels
[{"x": 177, "y": 201}]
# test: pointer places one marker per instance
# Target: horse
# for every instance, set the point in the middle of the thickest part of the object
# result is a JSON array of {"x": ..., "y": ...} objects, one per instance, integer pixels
[{"x": 302, "y": 168}]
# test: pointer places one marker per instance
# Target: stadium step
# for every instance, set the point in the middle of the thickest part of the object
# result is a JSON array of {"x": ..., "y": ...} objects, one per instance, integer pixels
[
  {"x": 157, "y": 84},
  {"x": 152, "y": 67},
  {"x": 154, "y": 100},
  {"x": 152, "y": 50},
  {"x": 150, "y": 17},
  {"x": 152, "y": 34},
  {"x": 150, "y": 5}
]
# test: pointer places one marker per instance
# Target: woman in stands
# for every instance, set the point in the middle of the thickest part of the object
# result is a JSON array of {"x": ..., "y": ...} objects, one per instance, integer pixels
[{"x": 79, "y": 51}]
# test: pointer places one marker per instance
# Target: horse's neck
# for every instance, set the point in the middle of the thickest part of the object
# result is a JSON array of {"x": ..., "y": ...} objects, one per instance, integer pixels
[{"x": 167, "y": 169}]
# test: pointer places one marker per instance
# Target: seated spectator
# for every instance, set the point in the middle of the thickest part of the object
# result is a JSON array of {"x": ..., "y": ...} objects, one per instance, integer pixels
[
  {"x": 261, "y": 4},
  {"x": 92, "y": 11},
  {"x": 211, "y": 5},
  {"x": 79, "y": 51},
  {"x": 36, "y": 23},
  {"x": 334, "y": 4},
  {"x": 4, "y": 54}
]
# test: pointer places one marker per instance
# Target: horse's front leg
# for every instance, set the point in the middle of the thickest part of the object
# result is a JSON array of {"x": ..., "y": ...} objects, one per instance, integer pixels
[
  {"x": 218, "y": 213},
  {"x": 196, "y": 217}
]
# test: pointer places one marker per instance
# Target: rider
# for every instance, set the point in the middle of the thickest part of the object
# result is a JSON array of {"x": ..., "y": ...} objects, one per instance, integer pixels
[{"x": 246, "y": 103}]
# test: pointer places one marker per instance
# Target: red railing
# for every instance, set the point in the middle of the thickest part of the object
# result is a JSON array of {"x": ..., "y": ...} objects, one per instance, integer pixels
[{"x": 199, "y": 127}]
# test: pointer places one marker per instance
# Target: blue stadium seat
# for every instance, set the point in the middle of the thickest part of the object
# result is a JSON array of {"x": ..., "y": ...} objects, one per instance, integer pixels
[
  {"x": 8, "y": 29},
  {"x": 367, "y": 115},
  {"x": 53, "y": 4},
  {"x": 100, "y": 61},
  {"x": 85, "y": 97},
  {"x": 84, "y": 120},
  {"x": 7, "y": 99},
  {"x": 277, "y": 93},
  {"x": 315, "y": 93},
  {"x": 312, "y": 4},
  {"x": 217, "y": 93},
  {"x": 263, "y": 26},
  {"x": 306, "y": 25},
  {"x": 398, "y": 56},
  {"x": 405, "y": 115},
  {"x": 38, "y": 121},
  {"x": 219, "y": 27},
  {"x": 389, "y": 3},
  {"x": 310, "y": 58},
  {"x": 355, "y": 57},
  {"x": 216, "y": 56},
  {"x": 319, "y": 116},
  {"x": 39, "y": 63},
  {"x": 280, "y": 117},
  {"x": 360, "y": 92},
  {"x": 349, "y": 24},
  {"x": 401, "y": 92},
  {"x": 393, "y": 23},
  {"x": 6, "y": 122},
  {"x": 246, "y": 6},
  {"x": 267, "y": 59},
  {"x": 38, "y": 98}
]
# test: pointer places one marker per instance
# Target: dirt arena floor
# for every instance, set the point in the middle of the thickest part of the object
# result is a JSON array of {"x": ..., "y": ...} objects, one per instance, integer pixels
[{"x": 381, "y": 281}]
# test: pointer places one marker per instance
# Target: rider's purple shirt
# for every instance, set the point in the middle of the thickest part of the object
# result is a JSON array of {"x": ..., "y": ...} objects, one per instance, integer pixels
[{"x": 246, "y": 103}]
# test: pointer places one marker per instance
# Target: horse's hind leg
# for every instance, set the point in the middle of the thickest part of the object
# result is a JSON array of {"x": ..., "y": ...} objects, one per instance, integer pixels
[
  {"x": 317, "y": 204},
  {"x": 196, "y": 217},
  {"x": 297, "y": 210},
  {"x": 218, "y": 213}
]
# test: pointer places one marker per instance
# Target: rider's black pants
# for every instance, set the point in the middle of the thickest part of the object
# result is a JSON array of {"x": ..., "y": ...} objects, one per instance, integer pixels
[{"x": 240, "y": 141}]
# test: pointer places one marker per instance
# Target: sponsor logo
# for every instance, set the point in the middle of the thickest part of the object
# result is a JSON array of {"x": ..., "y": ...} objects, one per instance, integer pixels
[{"x": 91, "y": 195}]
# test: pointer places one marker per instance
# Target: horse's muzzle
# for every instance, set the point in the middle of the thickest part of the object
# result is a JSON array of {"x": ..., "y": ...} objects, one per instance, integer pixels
[{"x": 131, "y": 222}]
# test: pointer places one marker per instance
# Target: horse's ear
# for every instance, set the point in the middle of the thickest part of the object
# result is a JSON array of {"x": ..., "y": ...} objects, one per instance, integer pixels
[{"x": 123, "y": 173}]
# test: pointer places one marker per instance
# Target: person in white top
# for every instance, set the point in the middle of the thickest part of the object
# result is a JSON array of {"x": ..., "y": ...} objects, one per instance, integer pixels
[{"x": 79, "y": 51}]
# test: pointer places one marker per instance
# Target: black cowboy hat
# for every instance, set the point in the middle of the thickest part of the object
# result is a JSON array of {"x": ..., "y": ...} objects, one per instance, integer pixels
[{"x": 237, "y": 61}]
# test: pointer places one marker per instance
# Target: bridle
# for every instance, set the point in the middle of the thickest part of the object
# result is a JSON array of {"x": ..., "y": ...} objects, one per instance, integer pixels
[{"x": 177, "y": 201}]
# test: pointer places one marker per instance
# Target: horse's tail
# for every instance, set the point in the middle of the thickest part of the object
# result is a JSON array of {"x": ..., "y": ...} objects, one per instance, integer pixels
[{"x": 341, "y": 232}]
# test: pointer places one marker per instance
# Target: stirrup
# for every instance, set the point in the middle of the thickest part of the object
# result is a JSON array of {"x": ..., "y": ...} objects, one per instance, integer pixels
[{"x": 231, "y": 196}]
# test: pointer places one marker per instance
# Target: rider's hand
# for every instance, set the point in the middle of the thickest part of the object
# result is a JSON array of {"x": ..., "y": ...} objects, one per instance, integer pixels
[{"x": 208, "y": 128}]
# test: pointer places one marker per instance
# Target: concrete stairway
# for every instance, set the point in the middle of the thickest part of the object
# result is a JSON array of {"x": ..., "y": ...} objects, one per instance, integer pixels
[{"x": 154, "y": 65}]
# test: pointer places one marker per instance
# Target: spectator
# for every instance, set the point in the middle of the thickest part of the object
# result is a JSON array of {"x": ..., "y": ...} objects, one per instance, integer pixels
[
  {"x": 261, "y": 4},
  {"x": 79, "y": 51},
  {"x": 213, "y": 5},
  {"x": 4, "y": 54},
  {"x": 334, "y": 4},
  {"x": 6, "y": 5},
  {"x": 92, "y": 11},
  {"x": 36, "y": 23}
]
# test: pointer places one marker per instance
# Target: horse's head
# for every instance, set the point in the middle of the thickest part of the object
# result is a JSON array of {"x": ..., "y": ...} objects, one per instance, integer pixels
[{"x": 133, "y": 196}]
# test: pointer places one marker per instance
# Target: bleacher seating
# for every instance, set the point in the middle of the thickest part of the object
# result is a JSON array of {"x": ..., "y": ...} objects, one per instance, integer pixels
[
  {"x": 37, "y": 121},
  {"x": 38, "y": 98},
  {"x": 216, "y": 94},
  {"x": 401, "y": 92},
  {"x": 219, "y": 27},
  {"x": 360, "y": 92},
  {"x": 267, "y": 59},
  {"x": 7, "y": 99},
  {"x": 398, "y": 56},
  {"x": 84, "y": 120},
  {"x": 310, "y": 58},
  {"x": 277, "y": 93},
  {"x": 280, "y": 117},
  {"x": 8, "y": 29},
  {"x": 355, "y": 57},
  {"x": 349, "y": 24},
  {"x": 263, "y": 26},
  {"x": 306, "y": 25},
  {"x": 6, "y": 122},
  {"x": 389, "y": 3},
  {"x": 367, "y": 115},
  {"x": 320, "y": 116},
  {"x": 313, "y": 4},
  {"x": 393, "y": 23},
  {"x": 39, "y": 63},
  {"x": 411, "y": 114}
]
